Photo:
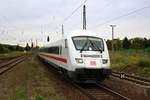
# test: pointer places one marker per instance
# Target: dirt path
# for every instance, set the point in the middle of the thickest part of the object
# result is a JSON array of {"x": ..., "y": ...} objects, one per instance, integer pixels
[{"x": 29, "y": 81}]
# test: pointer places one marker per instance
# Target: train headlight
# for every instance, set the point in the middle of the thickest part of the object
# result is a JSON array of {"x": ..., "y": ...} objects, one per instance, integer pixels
[
  {"x": 105, "y": 61},
  {"x": 79, "y": 60}
]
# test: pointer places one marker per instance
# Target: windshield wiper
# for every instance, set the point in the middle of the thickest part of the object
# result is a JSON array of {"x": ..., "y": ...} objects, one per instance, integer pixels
[
  {"x": 94, "y": 45},
  {"x": 86, "y": 43}
]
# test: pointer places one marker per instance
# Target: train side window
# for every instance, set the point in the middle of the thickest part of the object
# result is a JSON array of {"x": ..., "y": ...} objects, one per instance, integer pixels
[
  {"x": 53, "y": 50},
  {"x": 60, "y": 50},
  {"x": 66, "y": 44}
]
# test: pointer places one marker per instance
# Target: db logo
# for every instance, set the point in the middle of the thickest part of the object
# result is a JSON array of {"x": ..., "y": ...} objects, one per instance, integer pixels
[{"x": 92, "y": 62}]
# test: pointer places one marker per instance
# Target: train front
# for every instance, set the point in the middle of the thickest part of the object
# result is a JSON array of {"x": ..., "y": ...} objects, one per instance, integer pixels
[{"x": 89, "y": 58}]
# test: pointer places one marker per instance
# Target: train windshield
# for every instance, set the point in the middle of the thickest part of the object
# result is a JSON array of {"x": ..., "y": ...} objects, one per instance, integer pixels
[{"x": 86, "y": 43}]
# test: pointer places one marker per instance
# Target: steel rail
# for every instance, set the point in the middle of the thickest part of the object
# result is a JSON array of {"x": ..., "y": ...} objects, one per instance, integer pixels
[
  {"x": 103, "y": 92},
  {"x": 10, "y": 64},
  {"x": 114, "y": 92},
  {"x": 135, "y": 79},
  {"x": 100, "y": 92}
]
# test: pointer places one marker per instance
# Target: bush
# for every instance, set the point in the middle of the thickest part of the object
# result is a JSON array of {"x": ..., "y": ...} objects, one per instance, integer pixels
[
  {"x": 147, "y": 50},
  {"x": 143, "y": 63}
]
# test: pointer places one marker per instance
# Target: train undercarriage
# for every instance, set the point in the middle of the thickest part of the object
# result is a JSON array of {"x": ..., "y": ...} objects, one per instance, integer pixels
[{"x": 83, "y": 75}]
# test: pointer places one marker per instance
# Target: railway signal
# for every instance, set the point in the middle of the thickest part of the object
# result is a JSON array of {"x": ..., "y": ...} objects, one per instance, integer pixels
[{"x": 48, "y": 39}]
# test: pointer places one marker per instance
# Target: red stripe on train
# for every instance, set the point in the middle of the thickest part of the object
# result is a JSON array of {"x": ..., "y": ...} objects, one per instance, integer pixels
[{"x": 61, "y": 59}]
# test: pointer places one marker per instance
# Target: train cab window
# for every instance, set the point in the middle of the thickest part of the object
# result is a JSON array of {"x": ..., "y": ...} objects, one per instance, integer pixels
[
  {"x": 87, "y": 43},
  {"x": 66, "y": 44}
]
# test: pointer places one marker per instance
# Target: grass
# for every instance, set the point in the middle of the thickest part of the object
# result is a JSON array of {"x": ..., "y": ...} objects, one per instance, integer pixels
[
  {"x": 11, "y": 54},
  {"x": 144, "y": 63},
  {"x": 29, "y": 81},
  {"x": 131, "y": 61},
  {"x": 39, "y": 98},
  {"x": 20, "y": 94}
]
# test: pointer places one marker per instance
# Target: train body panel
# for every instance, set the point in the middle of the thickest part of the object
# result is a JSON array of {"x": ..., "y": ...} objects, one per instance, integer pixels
[{"x": 80, "y": 54}]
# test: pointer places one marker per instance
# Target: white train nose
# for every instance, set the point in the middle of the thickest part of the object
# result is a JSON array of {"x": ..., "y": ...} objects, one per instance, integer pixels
[{"x": 93, "y": 63}]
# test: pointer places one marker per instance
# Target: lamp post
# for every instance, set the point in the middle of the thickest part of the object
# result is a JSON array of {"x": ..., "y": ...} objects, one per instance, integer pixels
[{"x": 112, "y": 26}]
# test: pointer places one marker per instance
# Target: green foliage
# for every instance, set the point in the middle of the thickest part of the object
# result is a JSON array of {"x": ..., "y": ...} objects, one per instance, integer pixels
[
  {"x": 1, "y": 49},
  {"x": 137, "y": 43},
  {"x": 148, "y": 43},
  {"x": 32, "y": 45},
  {"x": 145, "y": 41},
  {"x": 20, "y": 94},
  {"x": 134, "y": 43},
  {"x": 143, "y": 63},
  {"x": 27, "y": 48},
  {"x": 126, "y": 43},
  {"x": 131, "y": 61},
  {"x": 147, "y": 50},
  {"x": 19, "y": 48},
  {"x": 39, "y": 98},
  {"x": 109, "y": 42},
  {"x": 4, "y": 48},
  {"x": 117, "y": 44}
]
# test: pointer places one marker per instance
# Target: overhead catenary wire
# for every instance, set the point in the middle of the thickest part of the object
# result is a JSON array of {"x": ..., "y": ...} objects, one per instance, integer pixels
[
  {"x": 106, "y": 5},
  {"x": 70, "y": 15},
  {"x": 119, "y": 17}
]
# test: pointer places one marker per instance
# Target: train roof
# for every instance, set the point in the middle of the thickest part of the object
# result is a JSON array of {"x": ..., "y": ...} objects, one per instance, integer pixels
[
  {"x": 81, "y": 32},
  {"x": 72, "y": 34}
]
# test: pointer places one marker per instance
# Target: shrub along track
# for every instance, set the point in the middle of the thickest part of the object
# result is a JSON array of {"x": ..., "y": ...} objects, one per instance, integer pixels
[{"x": 86, "y": 91}]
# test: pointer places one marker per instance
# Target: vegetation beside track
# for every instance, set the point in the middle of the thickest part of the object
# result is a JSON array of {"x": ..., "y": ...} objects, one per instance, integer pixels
[
  {"x": 29, "y": 80},
  {"x": 11, "y": 54},
  {"x": 132, "y": 61}
]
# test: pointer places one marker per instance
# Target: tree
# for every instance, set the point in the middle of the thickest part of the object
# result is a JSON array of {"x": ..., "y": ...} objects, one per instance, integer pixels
[
  {"x": 11, "y": 48},
  {"x": 27, "y": 48},
  {"x": 126, "y": 43},
  {"x": 17, "y": 47},
  {"x": 137, "y": 43},
  {"x": 149, "y": 43},
  {"x": 145, "y": 43},
  {"x": 32, "y": 45},
  {"x": 109, "y": 42},
  {"x": 117, "y": 44},
  {"x": 1, "y": 48}
]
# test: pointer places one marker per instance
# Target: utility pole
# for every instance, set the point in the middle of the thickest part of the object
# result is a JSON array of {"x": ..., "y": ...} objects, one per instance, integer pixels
[
  {"x": 36, "y": 43},
  {"x": 62, "y": 29},
  {"x": 41, "y": 29},
  {"x": 112, "y": 26},
  {"x": 84, "y": 17}
]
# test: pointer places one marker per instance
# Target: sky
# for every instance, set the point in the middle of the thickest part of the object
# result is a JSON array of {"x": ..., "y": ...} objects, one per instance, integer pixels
[{"x": 23, "y": 21}]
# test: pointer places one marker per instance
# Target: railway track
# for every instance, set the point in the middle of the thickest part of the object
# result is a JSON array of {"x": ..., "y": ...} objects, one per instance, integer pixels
[
  {"x": 99, "y": 91},
  {"x": 131, "y": 78},
  {"x": 92, "y": 91},
  {"x": 7, "y": 58},
  {"x": 10, "y": 63}
]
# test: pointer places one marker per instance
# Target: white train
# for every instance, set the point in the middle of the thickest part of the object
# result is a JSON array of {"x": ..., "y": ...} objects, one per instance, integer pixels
[{"x": 81, "y": 55}]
